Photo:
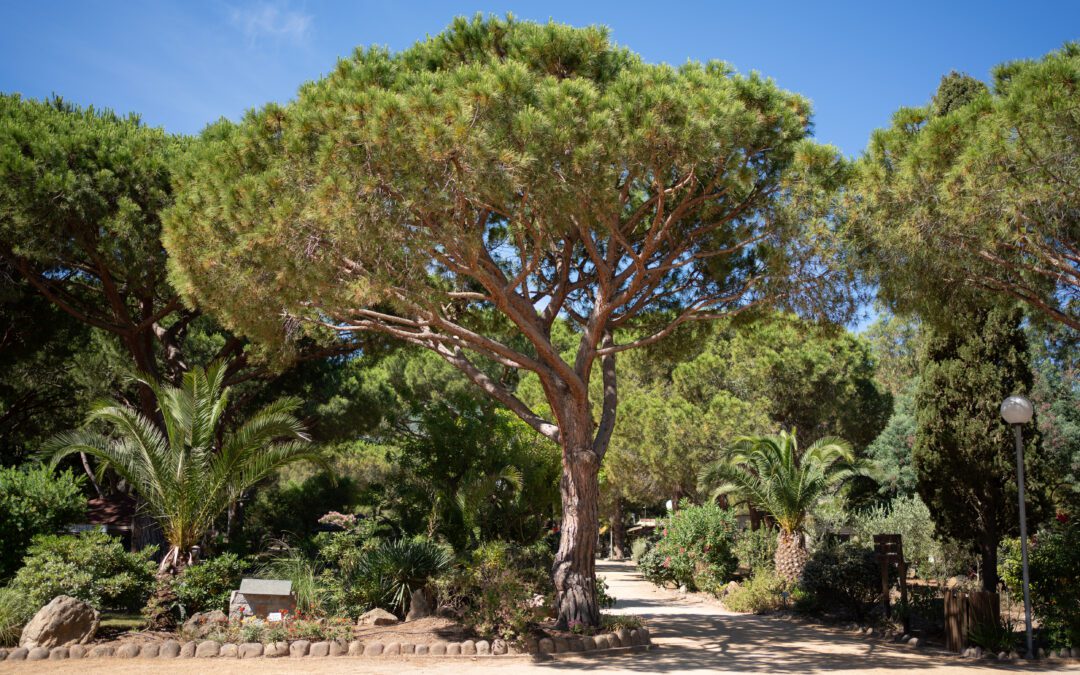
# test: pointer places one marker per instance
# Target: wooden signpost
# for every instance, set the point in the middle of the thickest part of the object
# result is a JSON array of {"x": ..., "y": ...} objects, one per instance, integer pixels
[{"x": 890, "y": 553}]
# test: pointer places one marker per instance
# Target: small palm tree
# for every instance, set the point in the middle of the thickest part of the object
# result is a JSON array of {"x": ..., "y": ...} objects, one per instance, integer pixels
[
  {"x": 190, "y": 470},
  {"x": 772, "y": 475}
]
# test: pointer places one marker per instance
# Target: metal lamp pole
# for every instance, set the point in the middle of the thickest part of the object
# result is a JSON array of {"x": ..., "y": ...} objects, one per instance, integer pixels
[{"x": 1017, "y": 411}]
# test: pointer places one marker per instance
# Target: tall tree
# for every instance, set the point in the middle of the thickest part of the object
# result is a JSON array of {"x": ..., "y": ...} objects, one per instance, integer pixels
[
  {"x": 976, "y": 193},
  {"x": 964, "y": 454},
  {"x": 464, "y": 194}
]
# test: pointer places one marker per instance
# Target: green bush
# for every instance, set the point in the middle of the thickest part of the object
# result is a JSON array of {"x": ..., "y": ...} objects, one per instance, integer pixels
[
  {"x": 33, "y": 501},
  {"x": 762, "y": 593},
  {"x": 695, "y": 548},
  {"x": 207, "y": 586},
  {"x": 639, "y": 547},
  {"x": 844, "y": 577},
  {"x": 755, "y": 549},
  {"x": 91, "y": 566},
  {"x": 394, "y": 569},
  {"x": 908, "y": 517},
  {"x": 1054, "y": 565},
  {"x": 15, "y": 611}
]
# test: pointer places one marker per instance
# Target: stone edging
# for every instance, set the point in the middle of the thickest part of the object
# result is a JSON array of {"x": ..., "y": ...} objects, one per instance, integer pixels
[{"x": 616, "y": 642}]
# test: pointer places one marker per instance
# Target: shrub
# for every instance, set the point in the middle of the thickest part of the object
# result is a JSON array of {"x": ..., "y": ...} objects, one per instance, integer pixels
[
  {"x": 639, "y": 548},
  {"x": 33, "y": 501},
  {"x": 695, "y": 548},
  {"x": 845, "y": 577},
  {"x": 604, "y": 600},
  {"x": 207, "y": 586},
  {"x": 764, "y": 592},
  {"x": 91, "y": 566},
  {"x": 1054, "y": 565},
  {"x": 755, "y": 549},
  {"x": 994, "y": 636},
  {"x": 15, "y": 611},
  {"x": 655, "y": 566},
  {"x": 908, "y": 517},
  {"x": 394, "y": 569}
]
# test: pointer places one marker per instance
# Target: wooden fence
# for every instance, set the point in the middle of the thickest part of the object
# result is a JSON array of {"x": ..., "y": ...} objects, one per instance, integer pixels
[{"x": 964, "y": 610}]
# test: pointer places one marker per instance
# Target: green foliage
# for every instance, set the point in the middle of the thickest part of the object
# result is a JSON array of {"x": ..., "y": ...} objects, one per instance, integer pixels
[
  {"x": 762, "y": 593},
  {"x": 395, "y": 569},
  {"x": 964, "y": 452},
  {"x": 995, "y": 637},
  {"x": 15, "y": 611},
  {"x": 844, "y": 577},
  {"x": 603, "y": 599},
  {"x": 91, "y": 566},
  {"x": 639, "y": 548},
  {"x": 755, "y": 549},
  {"x": 207, "y": 585},
  {"x": 891, "y": 452},
  {"x": 938, "y": 195},
  {"x": 908, "y": 517},
  {"x": 304, "y": 572},
  {"x": 1054, "y": 566},
  {"x": 191, "y": 470},
  {"x": 33, "y": 501},
  {"x": 695, "y": 548}
]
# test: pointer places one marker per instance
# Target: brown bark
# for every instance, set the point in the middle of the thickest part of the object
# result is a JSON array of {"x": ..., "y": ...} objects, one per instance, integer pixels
[
  {"x": 618, "y": 532},
  {"x": 574, "y": 570}
]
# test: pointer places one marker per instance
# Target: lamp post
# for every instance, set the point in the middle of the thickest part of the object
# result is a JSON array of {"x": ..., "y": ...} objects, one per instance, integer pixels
[{"x": 1017, "y": 411}]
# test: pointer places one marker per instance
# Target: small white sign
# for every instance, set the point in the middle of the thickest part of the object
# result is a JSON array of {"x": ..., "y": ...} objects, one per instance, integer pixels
[{"x": 273, "y": 616}]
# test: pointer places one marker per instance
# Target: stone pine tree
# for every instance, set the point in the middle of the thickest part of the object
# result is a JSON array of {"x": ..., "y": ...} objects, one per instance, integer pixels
[
  {"x": 964, "y": 454},
  {"x": 466, "y": 193}
]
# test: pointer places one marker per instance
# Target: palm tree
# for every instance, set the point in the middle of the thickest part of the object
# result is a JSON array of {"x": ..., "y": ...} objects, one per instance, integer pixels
[
  {"x": 772, "y": 475},
  {"x": 189, "y": 470}
]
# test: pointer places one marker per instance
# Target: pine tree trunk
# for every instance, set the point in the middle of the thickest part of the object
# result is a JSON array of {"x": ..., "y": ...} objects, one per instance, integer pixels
[
  {"x": 618, "y": 532},
  {"x": 988, "y": 566},
  {"x": 574, "y": 571}
]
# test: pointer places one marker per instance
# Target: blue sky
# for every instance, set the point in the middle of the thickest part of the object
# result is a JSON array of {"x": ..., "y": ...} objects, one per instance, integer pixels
[{"x": 182, "y": 65}]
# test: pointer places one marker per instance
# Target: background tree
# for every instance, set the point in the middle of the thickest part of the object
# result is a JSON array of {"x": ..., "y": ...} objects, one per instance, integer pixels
[
  {"x": 964, "y": 454},
  {"x": 464, "y": 194},
  {"x": 976, "y": 192}
]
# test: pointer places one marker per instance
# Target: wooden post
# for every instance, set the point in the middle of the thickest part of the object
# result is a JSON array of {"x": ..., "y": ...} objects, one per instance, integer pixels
[{"x": 890, "y": 552}]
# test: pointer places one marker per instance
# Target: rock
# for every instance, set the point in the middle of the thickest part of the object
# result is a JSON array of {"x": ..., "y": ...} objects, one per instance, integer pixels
[
  {"x": 170, "y": 649},
  {"x": 423, "y": 650},
  {"x": 65, "y": 621},
  {"x": 377, "y": 617},
  {"x": 319, "y": 649},
  {"x": 646, "y": 639},
  {"x": 869, "y": 632},
  {"x": 532, "y": 645},
  {"x": 59, "y": 653},
  {"x": 229, "y": 650},
  {"x": 339, "y": 648},
  {"x": 150, "y": 650},
  {"x": 635, "y": 637},
  {"x": 276, "y": 649},
  {"x": 419, "y": 606},
  {"x": 914, "y": 643},
  {"x": 453, "y": 649},
  {"x": 250, "y": 650},
  {"x": 299, "y": 648},
  {"x": 3, "y": 653},
  {"x": 18, "y": 654},
  {"x": 547, "y": 646},
  {"x": 1076, "y": 652},
  {"x": 207, "y": 649},
  {"x": 613, "y": 640},
  {"x": 373, "y": 649},
  {"x": 128, "y": 650},
  {"x": 37, "y": 654},
  {"x": 187, "y": 650},
  {"x": 1042, "y": 653},
  {"x": 408, "y": 648},
  {"x": 1014, "y": 655},
  {"x": 625, "y": 638},
  {"x": 447, "y": 612},
  {"x": 562, "y": 645},
  {"x": 468, "y": 648},
  {"x": 575, "y": 644},
  {"x": 589, "y": 643},
  {"x": 101, "y": 651},
  {"x": 438, "y": 649},
  {"x": 201, "y": 624},
  {"x": 600, "y": 641},
  {"x": 731, "y": 587},
  {"x": 1003, "y": 656},
  {"x": 498, "y": 647},
  {"x": 356, "y": 648},
  {"x": 977, "y": 652},
  {"x": 483, "y": 647},
  {"x": 392, "y": 649}
]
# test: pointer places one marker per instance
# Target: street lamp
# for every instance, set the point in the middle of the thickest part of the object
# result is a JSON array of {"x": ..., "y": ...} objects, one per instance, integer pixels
[{"x": 1017, "y": 411}]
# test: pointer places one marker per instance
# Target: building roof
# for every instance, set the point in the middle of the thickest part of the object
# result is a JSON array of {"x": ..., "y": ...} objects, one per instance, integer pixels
[{"x": 265, "y": 587}]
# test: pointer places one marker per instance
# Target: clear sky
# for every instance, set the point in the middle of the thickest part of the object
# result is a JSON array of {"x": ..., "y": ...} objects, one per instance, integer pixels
[{"x": 182, "y": 65}]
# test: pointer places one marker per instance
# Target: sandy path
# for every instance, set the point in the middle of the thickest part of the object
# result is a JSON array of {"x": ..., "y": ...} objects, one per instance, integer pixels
[{"x": 693, "y": 636}]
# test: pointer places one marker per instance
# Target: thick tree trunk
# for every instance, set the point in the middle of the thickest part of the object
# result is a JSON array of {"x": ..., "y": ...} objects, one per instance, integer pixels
[
  {"x": 574, "y": 572},
  {"x": 618, "y": 532},
  {"x": 988, "y": 566}
]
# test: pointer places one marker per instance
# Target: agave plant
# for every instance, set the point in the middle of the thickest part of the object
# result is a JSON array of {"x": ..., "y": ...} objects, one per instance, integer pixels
[
  {"x": 397, "y": 568},
  {"x": 771, "y": 474},
  {"x": 190, "y": 470}
]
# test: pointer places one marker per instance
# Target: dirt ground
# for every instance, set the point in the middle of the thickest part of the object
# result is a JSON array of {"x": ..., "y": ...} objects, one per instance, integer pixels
[{"x": 692, "y": 635}]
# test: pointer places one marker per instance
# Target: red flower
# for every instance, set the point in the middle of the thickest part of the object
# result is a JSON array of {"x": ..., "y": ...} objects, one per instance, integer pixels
[{"x": 1062, "y": 517}]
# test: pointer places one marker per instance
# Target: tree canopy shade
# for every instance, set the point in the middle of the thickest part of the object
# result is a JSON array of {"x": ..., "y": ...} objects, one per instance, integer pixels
[
  {"x": 465, "y": 193},
  {"x": 977, "y": 192}
]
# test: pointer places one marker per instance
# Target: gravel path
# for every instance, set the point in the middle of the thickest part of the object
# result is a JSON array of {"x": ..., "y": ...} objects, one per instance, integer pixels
[{"x": 693, "y": 636}]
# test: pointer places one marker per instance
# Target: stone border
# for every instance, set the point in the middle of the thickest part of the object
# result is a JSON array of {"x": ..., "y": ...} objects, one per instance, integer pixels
[{"x": 171, "y": 649}]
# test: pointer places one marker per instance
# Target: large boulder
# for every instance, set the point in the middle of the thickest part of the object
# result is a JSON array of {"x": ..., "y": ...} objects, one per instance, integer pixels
[
  {"x": 419, "y": 606},
  {"x": 63, "y": 622},
  {"x": 377, "y": 617},
  {"x": 202, "y": 624}
]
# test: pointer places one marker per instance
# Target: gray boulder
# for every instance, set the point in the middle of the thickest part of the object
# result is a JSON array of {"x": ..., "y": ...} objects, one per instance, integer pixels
[
  {"x": 63, "y": 622},
  {"x": 377, "y": 617},
  {"x": 37, "y": 654},
  {"x": 201, "y": 624},
  {"x": 419, "y": 606},
  {"x": 128, "y": 650}
]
